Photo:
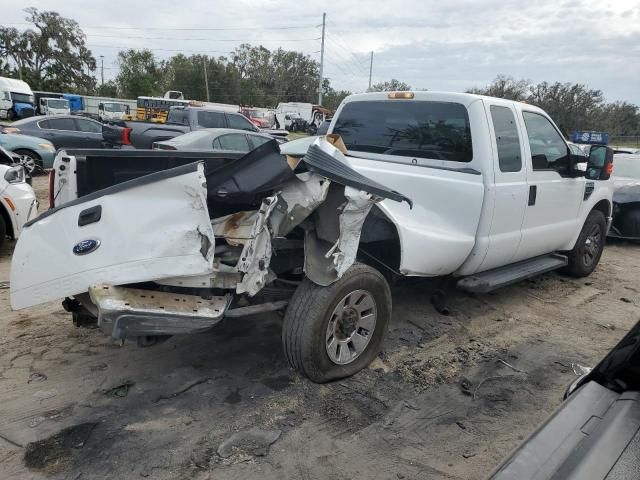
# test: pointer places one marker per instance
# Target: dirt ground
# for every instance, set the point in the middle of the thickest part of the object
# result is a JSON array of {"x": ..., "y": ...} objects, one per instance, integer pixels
[{"x": 439, "y": 403}]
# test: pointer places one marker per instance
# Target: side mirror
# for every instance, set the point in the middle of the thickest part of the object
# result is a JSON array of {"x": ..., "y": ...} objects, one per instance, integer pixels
[
  {"x": 101, "y": 106},
  {"x": 578, "y": 164},
  {"x": 600, "y": 163}
]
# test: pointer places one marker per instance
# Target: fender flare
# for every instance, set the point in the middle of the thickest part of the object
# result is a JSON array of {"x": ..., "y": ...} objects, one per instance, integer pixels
[{"x": 603, "y": 204}]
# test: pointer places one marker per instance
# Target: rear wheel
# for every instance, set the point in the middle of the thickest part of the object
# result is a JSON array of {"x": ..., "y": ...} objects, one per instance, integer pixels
[
  {"x": 335, "y": 331},
  {"x": 586, "y": 254}
]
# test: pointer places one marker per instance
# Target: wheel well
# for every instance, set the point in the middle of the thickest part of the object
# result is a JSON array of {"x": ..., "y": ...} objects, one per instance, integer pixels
[
  {"x": 380, "y": 243},
  {"x": 7, "y": 221},
  {"x": 604, "y": 206}
]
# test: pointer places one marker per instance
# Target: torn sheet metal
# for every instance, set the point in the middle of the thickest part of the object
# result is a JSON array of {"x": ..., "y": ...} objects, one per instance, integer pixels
[
  {"x": 296, "y": 201},
  {"x": 326, "y": 262},
  {"x": 256, "y": 254},
  {"x": 352, "y": 218}
]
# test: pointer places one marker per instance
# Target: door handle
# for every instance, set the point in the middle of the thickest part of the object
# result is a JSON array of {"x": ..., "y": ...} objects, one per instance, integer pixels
[
  {"x": 533, "y": 192},
  {"x": 90, "y": 215}
]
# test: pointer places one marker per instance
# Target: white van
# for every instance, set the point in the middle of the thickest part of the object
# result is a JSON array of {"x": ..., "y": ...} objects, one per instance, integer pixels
[{"x": 15, "y": 96}]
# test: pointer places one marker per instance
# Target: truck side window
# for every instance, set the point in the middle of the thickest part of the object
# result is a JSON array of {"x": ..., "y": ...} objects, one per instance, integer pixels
[
  {"x": 211, "y": 119},
  {"x": 548, "y": 149},
  {"x": 407, "y": 128},
  {"x": 507, "y": 140},
  {"x": 239, "y": 122}
]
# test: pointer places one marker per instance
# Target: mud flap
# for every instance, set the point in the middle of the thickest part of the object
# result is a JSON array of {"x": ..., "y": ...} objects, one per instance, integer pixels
[{"x": 150, "y": 228}]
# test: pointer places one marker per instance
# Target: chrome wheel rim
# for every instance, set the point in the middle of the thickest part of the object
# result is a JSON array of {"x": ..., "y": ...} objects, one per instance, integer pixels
[
  {"x": 592, "y": 245},
  {"x": 29, "y": 163},
  {"x": 351, "y": 327}
]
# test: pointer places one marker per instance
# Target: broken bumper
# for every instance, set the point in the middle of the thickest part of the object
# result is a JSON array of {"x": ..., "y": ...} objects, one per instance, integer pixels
[{"x": 130, "y": 312}]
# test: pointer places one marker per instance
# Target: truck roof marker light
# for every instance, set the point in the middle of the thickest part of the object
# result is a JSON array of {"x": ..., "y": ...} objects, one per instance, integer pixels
[{"x": 401, "y": 95}]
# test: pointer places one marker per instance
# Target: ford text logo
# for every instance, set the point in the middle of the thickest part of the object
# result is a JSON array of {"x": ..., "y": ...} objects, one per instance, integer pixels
[{"x": 85, "y": 246}]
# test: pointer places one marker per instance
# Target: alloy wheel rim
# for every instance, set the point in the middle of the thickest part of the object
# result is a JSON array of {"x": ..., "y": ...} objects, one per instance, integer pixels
[
  {"x": 351, "y": 327},
  {"x": 592, "y": 245}
]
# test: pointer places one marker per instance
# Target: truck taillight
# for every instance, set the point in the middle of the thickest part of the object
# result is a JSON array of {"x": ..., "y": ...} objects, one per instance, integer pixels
[
  {"x": 126, "y": 139},
  {"x": 52, "y": 176}
]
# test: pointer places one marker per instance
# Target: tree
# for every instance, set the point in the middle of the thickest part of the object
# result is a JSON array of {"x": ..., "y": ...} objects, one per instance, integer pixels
[
  {"x": 140, "y": 74},
  {"x": 505, "y": 87},
  {"x": 331, "y": 98},
  {"x": 52, "y": 55},
  {"x": 391, "y": 86},
  {"x": 108, "y": 89}
]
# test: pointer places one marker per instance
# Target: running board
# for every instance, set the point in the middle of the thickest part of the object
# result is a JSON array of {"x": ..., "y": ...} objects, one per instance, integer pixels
[
  {"x": 133, "y": 312},
  {"x": 503, "y": 276}
]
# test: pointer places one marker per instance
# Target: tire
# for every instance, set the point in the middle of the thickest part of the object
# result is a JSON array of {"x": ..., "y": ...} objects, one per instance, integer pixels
[
  {"x": 310, "y": 318},
  {"x": 586, "y": 254},
  {"x": 11, "y": 114}
]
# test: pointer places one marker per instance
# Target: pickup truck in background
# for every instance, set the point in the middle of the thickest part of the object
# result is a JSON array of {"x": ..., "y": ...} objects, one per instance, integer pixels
[
  {"x": 475, "y": 190},
  {"x": 181, "y": 120}
]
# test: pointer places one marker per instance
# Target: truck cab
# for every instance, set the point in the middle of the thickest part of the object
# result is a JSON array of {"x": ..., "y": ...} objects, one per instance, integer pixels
[
  {"x": 16, "y": 99},
  {"x": 53, "y": 106},
  {"x": 111, "y": 111}
]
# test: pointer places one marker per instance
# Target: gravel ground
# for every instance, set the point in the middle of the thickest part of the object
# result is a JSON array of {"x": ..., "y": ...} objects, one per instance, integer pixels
[{"x": 440, "y": 402}]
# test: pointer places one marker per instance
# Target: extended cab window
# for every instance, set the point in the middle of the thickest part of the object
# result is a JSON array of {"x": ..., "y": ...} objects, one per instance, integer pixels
[
  {"x": 507, "y": 140},
  {"x": 438, "y": 130},
  {"x": 548, "y": 149},
  {"x": 211, "y": 119}
]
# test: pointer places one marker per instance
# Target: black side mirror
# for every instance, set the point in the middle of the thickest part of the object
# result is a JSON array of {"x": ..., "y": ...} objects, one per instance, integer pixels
[{"x": 600, "y": 163}]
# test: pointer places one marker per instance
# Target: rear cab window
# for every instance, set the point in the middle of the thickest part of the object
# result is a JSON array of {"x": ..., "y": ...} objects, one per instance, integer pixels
[{"x": 407, "y": 128}]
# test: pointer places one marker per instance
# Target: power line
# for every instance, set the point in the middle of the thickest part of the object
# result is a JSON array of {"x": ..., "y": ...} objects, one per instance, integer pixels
[
  {"x": 135, "y": 47},
  {"x": 207, "y": 39},
  {"x": 347, "y": 62},
  {"x": 183, "y": 29}
]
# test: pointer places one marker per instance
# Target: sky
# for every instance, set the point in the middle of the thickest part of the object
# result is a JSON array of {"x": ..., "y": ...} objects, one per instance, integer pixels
[{"x": 437, "y": 45}]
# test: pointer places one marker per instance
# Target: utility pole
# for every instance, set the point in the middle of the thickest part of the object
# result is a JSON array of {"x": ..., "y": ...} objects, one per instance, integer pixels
[
  {"x": 370, "y": 70},
  {"x": 101, "y": 69},
  {"x": 324, "y": 18},
  {"x": 206, "y": 81}
]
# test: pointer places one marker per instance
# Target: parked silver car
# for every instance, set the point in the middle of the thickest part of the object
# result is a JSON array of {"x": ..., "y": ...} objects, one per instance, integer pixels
[{"x": 210, "y": 139}]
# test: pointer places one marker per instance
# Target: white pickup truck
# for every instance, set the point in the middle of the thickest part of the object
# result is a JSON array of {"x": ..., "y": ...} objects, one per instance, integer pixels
[{"x": 154, "y": 243}]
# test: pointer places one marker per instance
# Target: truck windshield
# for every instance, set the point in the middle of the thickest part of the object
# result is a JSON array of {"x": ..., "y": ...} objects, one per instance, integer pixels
[
  {"x": 22, "y": 98},
  {"x": 55, "y": 103},
  {"x": 411, "y": 128},
  {"x": 113, "y": 107}
]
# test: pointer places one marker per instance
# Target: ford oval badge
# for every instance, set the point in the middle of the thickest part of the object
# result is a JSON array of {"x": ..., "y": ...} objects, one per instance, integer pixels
[{"x": 86, "y": 246}]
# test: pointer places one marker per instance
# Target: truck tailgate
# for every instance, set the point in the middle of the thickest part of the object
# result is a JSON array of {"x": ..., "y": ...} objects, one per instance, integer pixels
[{"x": 149, "y": 228}]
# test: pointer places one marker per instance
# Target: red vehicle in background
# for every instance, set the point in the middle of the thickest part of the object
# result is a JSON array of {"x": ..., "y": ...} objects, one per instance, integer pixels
[{"x": 260, "y": 117}]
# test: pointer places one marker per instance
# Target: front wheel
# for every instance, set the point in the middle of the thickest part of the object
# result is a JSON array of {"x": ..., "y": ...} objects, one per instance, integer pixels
[
  {"x": 335, "y": 331},
  {"x": 585, "y": 256}
]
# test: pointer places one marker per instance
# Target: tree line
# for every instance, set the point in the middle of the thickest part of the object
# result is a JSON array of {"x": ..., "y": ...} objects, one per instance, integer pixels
[
  {"x": 572, "y": 106},
  {"x": 52, "y": 55}
]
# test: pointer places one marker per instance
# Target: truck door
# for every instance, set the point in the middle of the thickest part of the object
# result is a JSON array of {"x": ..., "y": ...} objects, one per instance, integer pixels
[
  {"x": 554, "y": 197},
  {"x": 510, "y": 187}
]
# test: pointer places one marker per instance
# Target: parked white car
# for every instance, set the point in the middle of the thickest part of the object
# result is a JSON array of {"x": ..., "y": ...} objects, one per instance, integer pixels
[
  {"x": 479, "y": 191},
  {"x": 18, "y": 202}
]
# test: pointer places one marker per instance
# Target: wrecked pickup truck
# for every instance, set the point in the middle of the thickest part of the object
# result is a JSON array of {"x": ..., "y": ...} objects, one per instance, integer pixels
[{"x": 152, "y": 244}]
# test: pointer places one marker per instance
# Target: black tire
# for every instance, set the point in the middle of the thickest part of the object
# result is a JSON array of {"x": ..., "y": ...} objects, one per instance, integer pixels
[
  {"x": 306, "y": 322},
  {"x": 586, "y": 254},
  {"x": 11, "y": 115}
]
